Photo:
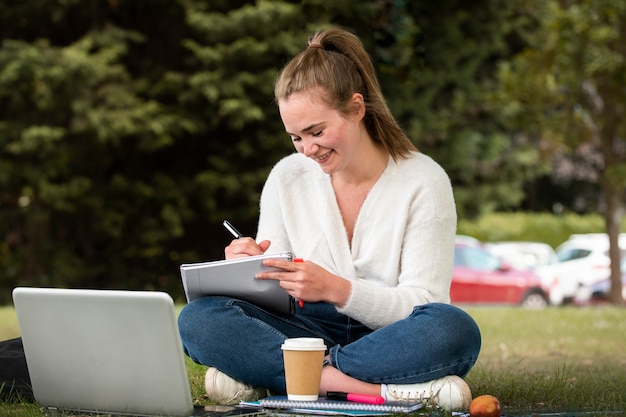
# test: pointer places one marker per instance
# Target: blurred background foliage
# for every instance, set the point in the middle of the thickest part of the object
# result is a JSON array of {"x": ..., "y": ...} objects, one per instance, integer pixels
[{"x": 129, "y": 129}]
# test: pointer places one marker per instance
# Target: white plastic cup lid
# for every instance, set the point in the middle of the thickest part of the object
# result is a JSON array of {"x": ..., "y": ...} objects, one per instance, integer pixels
[{"x": 304, "y": 343}]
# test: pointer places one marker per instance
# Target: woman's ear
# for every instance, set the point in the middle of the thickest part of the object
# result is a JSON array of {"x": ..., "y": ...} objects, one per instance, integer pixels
[{"x": 358, "y": 105}]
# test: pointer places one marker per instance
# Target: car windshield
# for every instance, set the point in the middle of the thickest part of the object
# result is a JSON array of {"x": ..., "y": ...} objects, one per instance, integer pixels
[
  {"x": 571, "y": 254},
  {"x": 475, "y": 258}
]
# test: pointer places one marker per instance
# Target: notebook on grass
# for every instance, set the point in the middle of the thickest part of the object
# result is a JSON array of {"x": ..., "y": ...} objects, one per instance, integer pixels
[
  {"x": 114, "y": 352},
  {"x": 324, "y": 406},
  {"x": 236, "y": 278}
]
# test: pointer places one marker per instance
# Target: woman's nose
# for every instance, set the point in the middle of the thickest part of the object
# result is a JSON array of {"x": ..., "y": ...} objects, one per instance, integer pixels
[{"x": 309, "y": 147}]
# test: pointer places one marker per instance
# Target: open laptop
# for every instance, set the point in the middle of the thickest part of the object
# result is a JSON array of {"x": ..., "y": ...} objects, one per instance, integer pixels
[{"x": 114, "y": 352}]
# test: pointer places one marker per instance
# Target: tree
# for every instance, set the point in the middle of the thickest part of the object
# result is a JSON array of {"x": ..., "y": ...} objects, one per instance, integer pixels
[
  {"x": 567, "y": 90},
  {"x": 440, "y": 93},
  {"x": 81, "y": 202}
]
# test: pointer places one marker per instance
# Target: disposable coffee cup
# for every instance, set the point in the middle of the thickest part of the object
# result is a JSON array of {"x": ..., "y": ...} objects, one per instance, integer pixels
[{"x": 304, "y": 357}]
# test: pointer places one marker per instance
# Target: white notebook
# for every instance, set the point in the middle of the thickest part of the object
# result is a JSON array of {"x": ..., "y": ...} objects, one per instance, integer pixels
[
  {"x": 325, "y": 406},
  {"x": 236, "y": 278}
]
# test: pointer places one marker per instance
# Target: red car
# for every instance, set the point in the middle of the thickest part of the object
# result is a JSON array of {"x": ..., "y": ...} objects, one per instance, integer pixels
[{"x": 482, "y": 278}]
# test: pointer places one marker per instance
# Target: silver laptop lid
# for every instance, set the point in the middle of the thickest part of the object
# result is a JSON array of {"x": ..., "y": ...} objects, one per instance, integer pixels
[{"x": 104, "y": 351}]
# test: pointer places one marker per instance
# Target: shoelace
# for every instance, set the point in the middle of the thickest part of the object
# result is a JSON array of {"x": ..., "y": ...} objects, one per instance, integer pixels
[{"x": 419, "y": 396}]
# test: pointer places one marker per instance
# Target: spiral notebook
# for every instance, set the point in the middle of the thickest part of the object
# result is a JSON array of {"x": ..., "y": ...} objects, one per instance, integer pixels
[
  {"x": 236, "y": 278},
  {"x": 325, "y": 406}
]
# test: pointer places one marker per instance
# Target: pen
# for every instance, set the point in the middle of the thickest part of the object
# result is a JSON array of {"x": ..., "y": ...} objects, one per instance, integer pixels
[
  {"x": 300, "y": 302},
  {"x": 232, "y": 229},
  {"x": 359, "y": 398},
  {"x": 238, "y": 235}
]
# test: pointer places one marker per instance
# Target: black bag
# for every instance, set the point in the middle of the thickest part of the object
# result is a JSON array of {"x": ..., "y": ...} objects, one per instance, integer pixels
[{"x": 14, "y": 378}]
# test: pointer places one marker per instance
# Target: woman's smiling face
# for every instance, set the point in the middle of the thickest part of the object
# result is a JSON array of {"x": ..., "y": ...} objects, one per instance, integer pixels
[{"x": 321, "y": 132}]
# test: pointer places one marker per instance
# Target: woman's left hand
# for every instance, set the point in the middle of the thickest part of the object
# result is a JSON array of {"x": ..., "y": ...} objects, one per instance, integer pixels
[{"x": 308, "y": 281}]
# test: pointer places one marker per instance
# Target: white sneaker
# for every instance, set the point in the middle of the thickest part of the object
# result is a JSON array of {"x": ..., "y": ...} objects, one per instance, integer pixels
[
  {"x": 450, "y": 393},
  {"x": 228, "y": 391}
]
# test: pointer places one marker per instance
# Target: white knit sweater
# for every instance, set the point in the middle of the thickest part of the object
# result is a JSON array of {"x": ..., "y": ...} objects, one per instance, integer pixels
[{"x": 402, "y": 250}]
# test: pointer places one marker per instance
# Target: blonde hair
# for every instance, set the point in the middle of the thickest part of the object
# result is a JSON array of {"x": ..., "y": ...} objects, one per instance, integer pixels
[{"x": 337, "y": 61}]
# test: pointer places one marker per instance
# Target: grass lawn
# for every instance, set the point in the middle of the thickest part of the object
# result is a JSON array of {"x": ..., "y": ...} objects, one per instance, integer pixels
[
  {"x": 552, "y": 360},
  {"x": 557, "y": 359}
]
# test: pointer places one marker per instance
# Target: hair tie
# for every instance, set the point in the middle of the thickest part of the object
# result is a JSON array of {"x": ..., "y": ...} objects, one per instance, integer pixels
[{"x": 316, "y": 45}]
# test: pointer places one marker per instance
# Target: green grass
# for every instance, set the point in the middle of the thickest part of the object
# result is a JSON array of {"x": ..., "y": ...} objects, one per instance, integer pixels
[
  {"x": 552, "y": 360},
  {"x": 557, "y": 359}
]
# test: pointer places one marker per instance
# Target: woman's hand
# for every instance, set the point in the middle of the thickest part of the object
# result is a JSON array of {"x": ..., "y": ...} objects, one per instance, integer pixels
[
  {"x": 308, "y": 281},
  {"x": 245, "y": 246}
]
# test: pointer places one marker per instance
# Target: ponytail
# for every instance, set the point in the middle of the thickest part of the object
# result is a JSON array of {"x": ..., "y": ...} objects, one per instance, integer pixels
[{"x": 337, "y": 61}]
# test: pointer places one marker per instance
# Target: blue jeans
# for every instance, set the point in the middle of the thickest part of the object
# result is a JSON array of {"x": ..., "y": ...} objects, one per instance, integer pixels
[{"x": 244, "y": 341}]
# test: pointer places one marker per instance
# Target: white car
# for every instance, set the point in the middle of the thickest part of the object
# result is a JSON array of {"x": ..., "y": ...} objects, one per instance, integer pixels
[
  {"x": 599, "y": 291},
  {"x": 583, "y": 260},
  {"x": 523, "y": 255},
  {"x": 532, "y": 256}
]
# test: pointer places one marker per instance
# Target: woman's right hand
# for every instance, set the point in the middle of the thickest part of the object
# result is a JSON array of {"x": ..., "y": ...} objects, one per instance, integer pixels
[{"x": 245, "y": 246}]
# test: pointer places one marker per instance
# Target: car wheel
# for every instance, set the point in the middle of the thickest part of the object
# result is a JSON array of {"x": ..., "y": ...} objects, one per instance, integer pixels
[{"x": 534, "y": 300}]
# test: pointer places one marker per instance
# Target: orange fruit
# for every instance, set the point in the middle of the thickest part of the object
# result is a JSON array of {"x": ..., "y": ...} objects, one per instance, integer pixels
[{"x": 485, "y": 406}]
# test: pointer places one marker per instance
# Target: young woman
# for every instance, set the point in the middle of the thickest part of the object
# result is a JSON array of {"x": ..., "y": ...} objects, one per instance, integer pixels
[{"x": 374, "y": 221}]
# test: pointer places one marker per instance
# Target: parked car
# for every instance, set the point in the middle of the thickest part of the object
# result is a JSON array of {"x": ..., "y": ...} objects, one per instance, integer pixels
[
  {"x": 523, "y": 255},
  {"x": 468, "y": 240},
  {"x": 532, "y": 256},
  {"x": 481, "y": 277},
  {"x": 598, "y": 292},
  {"x": 583, "y": 261}
]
